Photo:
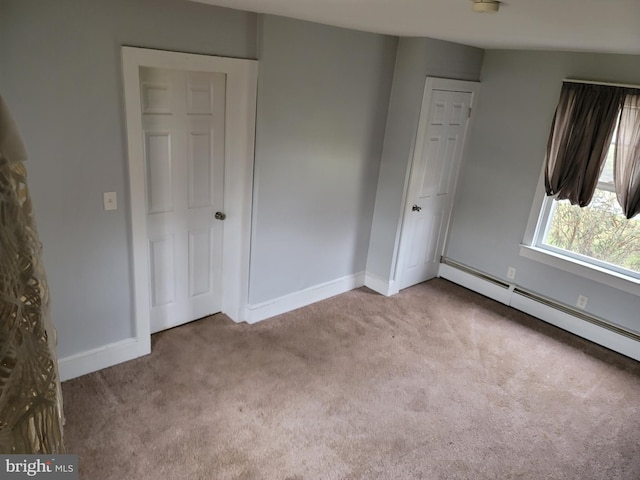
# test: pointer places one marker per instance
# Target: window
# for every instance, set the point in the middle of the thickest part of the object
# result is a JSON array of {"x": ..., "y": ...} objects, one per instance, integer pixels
[
  {"x": 594, "y": 126},
  {"x": 598, "y": 234}
]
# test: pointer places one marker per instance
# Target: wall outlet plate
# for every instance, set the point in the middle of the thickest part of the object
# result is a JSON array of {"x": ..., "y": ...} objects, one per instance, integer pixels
[
  {"x": 511, "y": 273},
  {"x": 582, "y": 302}
]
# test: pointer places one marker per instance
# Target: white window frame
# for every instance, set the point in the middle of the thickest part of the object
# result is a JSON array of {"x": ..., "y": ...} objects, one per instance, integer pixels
[{"x": 571, "y": 262}]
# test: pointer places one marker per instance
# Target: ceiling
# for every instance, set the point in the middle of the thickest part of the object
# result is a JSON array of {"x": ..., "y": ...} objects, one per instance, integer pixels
[{"x": 611, "y": 26}]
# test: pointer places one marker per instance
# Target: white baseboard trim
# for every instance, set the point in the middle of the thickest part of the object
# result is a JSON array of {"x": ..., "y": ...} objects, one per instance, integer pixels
[
  {"x": 380, "y": 285},
  {"x": 118, "y": 352},
  {"x": 292, "y": 301},
  {"x": 102, "y": 357},
  {"x": 483, "y": 287},
  {"x": 547, "y": 313},
  {"x": 611, "y": 340}
]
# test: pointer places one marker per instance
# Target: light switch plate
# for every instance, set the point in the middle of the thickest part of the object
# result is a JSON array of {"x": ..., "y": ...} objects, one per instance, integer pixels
[{"x": 110, "y": 201}]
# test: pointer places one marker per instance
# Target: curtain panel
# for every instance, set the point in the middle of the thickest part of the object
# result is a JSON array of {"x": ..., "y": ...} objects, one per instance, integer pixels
[
  {"x": 626, "y": 168},
  {"x": 580, "y": 136},
  {"x": 30, "y": 397}
]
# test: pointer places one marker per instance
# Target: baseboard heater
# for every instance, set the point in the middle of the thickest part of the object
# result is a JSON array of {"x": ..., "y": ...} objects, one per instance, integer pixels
[{"x": 599, "y": 330}]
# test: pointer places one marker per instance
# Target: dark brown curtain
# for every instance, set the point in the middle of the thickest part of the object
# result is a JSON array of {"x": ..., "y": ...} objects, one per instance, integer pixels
[
  {"x": 627, "y": 156},
  {"x": 580, "y": 136}
]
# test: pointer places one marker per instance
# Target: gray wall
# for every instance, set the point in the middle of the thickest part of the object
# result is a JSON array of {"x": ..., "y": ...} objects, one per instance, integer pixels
[
  {"x": 323, "y": 94},
  {"x": 61, "y": 76},
  {"x": 417, "y": 58},
  {"x": 498, "y": 180},
  {"x": 323, "y": 98}
]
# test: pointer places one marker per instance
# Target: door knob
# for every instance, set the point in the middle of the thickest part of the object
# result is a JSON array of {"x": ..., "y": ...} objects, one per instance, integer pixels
[
  {"x": 416, "y": 208},
  {"x": 220, "y": 216}
]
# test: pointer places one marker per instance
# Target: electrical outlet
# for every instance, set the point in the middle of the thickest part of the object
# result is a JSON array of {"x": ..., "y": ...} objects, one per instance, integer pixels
[
  {"x": 110, "y": 201},
  {"x": 582, "y": 302},
  {"x": 511, "y": 273}
]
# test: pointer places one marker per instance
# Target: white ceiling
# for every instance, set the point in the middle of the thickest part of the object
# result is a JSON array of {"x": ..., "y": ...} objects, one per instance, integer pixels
[{"x": 581, "y": 25}]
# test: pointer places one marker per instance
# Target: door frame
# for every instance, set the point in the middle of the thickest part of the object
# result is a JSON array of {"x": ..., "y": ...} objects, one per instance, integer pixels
[
  {"x": 431, "y": 84},
  {"x": 240, "y": 117}
]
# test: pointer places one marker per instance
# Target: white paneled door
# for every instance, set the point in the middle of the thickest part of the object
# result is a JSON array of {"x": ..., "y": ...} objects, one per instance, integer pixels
[
  {"x": 439, "y": 147},
  {"x": 183, "y": 120}
]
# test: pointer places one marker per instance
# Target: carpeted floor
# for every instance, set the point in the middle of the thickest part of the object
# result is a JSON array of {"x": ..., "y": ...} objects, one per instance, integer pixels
[{"x": 434, "y": 383}]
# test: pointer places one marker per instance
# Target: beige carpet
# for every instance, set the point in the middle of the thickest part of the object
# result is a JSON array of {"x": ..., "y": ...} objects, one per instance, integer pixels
[{"x": 434, "y": 383}]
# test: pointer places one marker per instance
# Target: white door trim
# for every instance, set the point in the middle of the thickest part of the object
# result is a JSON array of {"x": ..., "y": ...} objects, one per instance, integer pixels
[
  {"x": 431, "y": 84},
  {"x": 241, "y": 88}
]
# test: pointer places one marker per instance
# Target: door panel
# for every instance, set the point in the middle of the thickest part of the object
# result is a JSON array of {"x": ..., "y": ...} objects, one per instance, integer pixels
[
  {"x": 200, "y": 94},
  {"x": 452, "y": 156},
  {"x": 162, "y": 271},
  {"x": 156, "y": 95},
  {"x": 435, "y": 164},
  {"x": 183, "y": 123},
  {"x": 199, "y": 262},
  {"x": 159, "y": 171},
  {"x": 199, "y": 166}
]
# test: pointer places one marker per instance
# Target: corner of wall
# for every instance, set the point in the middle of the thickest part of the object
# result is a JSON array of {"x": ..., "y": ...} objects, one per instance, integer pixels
[{"x": 380, "y": 285}]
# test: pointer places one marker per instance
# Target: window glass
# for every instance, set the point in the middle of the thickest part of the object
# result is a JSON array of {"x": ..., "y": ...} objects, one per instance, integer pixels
[
  {"x": 607, "y": 172},
  {"x": 598, "y": 233}
]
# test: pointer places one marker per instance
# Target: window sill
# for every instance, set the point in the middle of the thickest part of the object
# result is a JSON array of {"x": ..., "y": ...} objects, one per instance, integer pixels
[{"x": 582, "y": 269}]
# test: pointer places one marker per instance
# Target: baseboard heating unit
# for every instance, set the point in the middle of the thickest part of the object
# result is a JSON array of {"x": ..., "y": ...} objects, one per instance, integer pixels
[{"x": 583, "y": 324}]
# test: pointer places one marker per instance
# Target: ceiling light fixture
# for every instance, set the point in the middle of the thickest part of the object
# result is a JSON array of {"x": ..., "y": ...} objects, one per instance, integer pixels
[{"x": 485, "y": 6}]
